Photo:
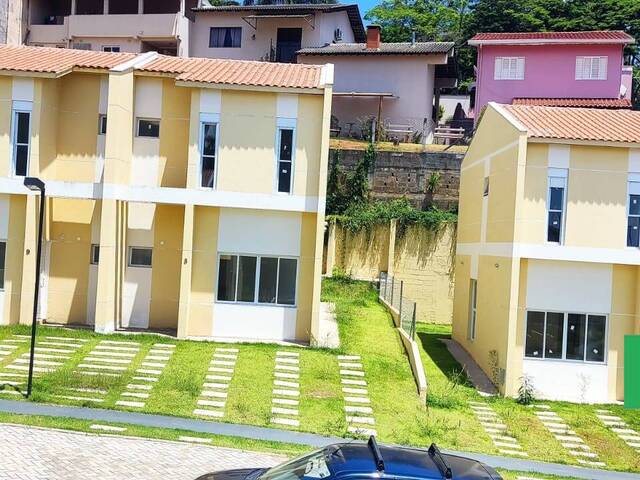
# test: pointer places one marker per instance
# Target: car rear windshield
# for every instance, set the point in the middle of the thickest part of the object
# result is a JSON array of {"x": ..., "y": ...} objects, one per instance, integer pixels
[{"x": 311, "y": 466}]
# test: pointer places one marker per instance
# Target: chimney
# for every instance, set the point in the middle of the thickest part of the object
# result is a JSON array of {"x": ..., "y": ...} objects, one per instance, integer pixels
[{"x": 373, "y": 36}]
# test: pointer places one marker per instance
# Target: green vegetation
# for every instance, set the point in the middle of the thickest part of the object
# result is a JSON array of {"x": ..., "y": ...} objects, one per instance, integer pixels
[{"x": 366, "y": 329}]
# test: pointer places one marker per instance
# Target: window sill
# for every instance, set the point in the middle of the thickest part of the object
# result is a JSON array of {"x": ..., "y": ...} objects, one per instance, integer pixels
[
  {"x": 255, "y": 304},
  {"x": 562, "y": 360}
]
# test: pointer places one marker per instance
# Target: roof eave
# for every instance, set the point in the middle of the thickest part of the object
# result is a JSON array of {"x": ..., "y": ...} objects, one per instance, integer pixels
[
  {"x": 577, "y": 141},
  {"x": 319, "y": 90},
  {"x": 541, "y": 41}
]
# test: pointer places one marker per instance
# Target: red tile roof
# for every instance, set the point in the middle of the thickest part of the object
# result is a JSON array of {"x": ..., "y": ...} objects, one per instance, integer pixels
[
  {"x": 216, "y": 71},
  {"x": 237, "y": 72},
  {"x": 590, "y": 124},
  {"x": 595, "y": 36},
  {"x": 56, "y": 60},
  {"x": 575, "y": 102}
]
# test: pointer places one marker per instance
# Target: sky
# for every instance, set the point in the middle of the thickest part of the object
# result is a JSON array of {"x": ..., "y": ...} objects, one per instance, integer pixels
[{"x": 365, "y": 6}]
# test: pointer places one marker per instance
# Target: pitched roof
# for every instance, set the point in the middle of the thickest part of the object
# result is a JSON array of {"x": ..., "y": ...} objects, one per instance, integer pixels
[
  {"x": 406, "y": 48},
  {"x": 59, "y": 61},
  {"x": 588, "y": 124},
  {"x": 237, "y": 72},
  {"x": 575, "y": 102},
  {"x": 520, "y": 38},
  {"x": 56, "y": 60},
  {"x": 353, "y": 12}
]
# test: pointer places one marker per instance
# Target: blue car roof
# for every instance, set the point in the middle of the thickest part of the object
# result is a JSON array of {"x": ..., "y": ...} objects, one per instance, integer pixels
[{"x": 351, "y": 459}]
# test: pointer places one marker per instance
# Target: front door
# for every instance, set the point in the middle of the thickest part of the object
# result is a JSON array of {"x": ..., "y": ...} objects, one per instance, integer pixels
[{"x": 288, "y": 43}]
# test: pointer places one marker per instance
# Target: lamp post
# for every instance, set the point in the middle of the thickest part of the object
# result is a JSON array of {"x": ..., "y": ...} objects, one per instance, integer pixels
[{"x": 35, "y": 184}]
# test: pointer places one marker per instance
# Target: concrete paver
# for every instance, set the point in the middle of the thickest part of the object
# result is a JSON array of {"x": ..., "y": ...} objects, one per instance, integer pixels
[{"x": 37, "y": 454}]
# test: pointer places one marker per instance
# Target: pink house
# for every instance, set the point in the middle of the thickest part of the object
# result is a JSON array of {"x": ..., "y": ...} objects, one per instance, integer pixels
[{"x": 553, "y": 68}]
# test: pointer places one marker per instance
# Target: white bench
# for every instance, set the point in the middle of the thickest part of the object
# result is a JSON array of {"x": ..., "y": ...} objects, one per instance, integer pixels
[{"x": 448, "y": 133}]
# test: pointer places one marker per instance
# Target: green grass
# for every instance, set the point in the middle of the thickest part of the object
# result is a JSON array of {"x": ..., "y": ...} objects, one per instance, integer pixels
[{"x": 366, "y": 329}]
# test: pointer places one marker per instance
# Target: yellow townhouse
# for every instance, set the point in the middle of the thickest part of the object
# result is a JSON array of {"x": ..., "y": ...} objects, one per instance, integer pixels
[
  {"x": 548, "y": 259},
  {"x": 184, "y": 195}
]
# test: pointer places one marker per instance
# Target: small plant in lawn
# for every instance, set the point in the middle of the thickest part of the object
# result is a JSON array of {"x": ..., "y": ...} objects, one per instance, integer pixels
[
  {"x": 339, "y": 275},
  {"x": 448, "y": 394},
  {"x": 526, "y": 392}
]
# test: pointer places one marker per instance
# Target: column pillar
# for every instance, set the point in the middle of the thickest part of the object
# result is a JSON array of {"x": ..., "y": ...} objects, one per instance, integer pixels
[
  {"x": 106, "y": 289},
  {"x": 331, "y": 248},
  {"x": 74, "y": 7},
  {"x": 29, "y": 260},
  {"x": 140, "y": 6},
  {"x": 185, "y": 272},
  {"x": 105, "y": 7}
]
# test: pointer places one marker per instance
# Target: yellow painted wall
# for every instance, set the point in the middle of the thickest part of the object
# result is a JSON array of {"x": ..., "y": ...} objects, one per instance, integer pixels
[
  {"x": 362, "y": 255},
  {"x": 167, "y": 252},
  {"x": 621, "y": 322},
  {"x": 308, "y": 143},
  {"x": 597, "y": 195},
  {"x": 46, "y": 125},
  {"x": 533, "y": 216},
  {"x": 119, "y": 141},
  {"x": 13, "y": 259},
  {"x": 502, "y": 196},
  {"x": 306, "y": 275},
  {"x": 176, "y": 107},
  {"x": 203, "y": 272},
  {"x": 79, "y": 96},
  {"x": 6, "y": 83},
  {"x": 70, "y": 233},
  {"x": 241, "y": 149},
  {"x": 460, "y": 323}
]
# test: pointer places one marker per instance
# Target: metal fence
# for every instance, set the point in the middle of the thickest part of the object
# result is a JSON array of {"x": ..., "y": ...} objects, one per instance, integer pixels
[{"x": 391, "y": 291}]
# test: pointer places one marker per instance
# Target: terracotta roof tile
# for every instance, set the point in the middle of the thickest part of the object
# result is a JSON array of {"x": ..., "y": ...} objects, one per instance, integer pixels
[
  {"x": 592, "y": 124},
  {"x": 575, "y": 102},
  {"x": 596, "y": 36},
  {"x": 56, "y": 60},
  {"x": 386, "y": 48},
  {"x": 238, "y": 72}
]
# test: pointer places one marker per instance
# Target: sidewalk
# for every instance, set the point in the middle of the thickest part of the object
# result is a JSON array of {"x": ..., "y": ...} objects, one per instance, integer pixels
[{"x": 273, "y": 434}]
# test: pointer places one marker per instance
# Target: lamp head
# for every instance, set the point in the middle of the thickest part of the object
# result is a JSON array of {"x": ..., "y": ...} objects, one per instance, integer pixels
[{"x": 34, "y": 184}]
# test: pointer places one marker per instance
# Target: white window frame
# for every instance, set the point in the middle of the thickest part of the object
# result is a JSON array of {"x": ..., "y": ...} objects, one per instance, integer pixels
[
  {"x": 257, "y": 279},
  {"x": 102, "y": 120},
  {"x": 4, "y": 267},
  {"x": 208, "y": 119},
  {"x": 584, "y": 64},
  {"x": 564, "y": 337},
  {"x": 137, "y": 265},
  {"x": 146, "y": 119},
  {"x": 633, "y": 188},
  {"x": 20, "y": 107},
  {"x": 285, "y": 124},
  {"x": 109, "y": 48},
  {"x": 473, "y": 308},
  {"x": 557, "y": 176},
  {"x": 515, "y": 70}
]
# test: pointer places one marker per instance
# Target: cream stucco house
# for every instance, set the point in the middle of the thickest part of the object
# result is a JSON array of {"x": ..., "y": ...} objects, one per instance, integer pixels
[
  {"x": 182, "y": 194},
  {"x": 547, "y": 264}
]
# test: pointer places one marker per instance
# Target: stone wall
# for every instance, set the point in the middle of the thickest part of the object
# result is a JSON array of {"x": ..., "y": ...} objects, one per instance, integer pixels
[
  {"x": 422, "y": 258},
  {"x": 401, "y": 174}
]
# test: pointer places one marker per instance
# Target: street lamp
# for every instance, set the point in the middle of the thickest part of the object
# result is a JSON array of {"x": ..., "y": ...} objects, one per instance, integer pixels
[{"x": 35, "y": 184}]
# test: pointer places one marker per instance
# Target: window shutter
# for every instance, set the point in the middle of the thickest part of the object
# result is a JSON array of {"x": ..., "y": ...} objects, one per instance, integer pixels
[
  {"x": 603, "y": 68},
  {"x": 497, "y": 71},
  {"x": 520, "y": 68},
  {"x": 579, "y": 68}
]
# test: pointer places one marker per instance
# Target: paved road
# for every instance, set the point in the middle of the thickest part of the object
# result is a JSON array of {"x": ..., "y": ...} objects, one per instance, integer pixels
[{"x": 37, "y": 454}]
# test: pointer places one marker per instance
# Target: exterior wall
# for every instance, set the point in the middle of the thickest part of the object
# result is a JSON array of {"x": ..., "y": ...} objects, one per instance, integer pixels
[
  {"x": 13, "y": 259},
  {"x": 541, "y": 62},
  {"x": 409, "y": 78},
  {"x": 257, "y": 44},
  {"x": 422, "y": 259},
  {"x": 176, "y": 110}
]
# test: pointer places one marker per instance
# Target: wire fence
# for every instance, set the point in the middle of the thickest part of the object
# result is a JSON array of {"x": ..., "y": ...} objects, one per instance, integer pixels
[{"x": 391, "y": 291}]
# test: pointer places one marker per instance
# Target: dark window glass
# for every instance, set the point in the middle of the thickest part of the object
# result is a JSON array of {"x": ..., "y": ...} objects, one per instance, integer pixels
[
  {"x": 554, "y": 335},
  {"x": 596, "y": 332},
  {"x": 554, "y": 227},
  {"x": 208, "y": 154},
  {"x": 95, "y": 254},
  {"x": 287, "y": 281},
  {"x": 225, "y": 37},
  {"x": 3, "y": 251},
  {"x": 148, "y": 128},
  {"x": 633, "y": 232},
  {"x": 227, "y": 278},
  {"x": 284, "y": 177},
  {"x": 634, "y": 204},
  {"x": 140, "y": 257},
  {"x": 247, "y": 279},
  {"x": 575, "y": 336},
  {"x": 556, "y": 198},
  {"x": 22, "y": 156},
  {"x": 286, "y": 142},
  {"x": 535, "y": 334},
  {"x": 268, "y": 278},
  {"x": 22, "y": 132},
  {"x": 102, "y": 125}
]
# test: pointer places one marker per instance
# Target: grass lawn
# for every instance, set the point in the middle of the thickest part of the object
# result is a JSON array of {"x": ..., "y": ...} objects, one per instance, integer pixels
[{"x": 366, "y": 330}]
